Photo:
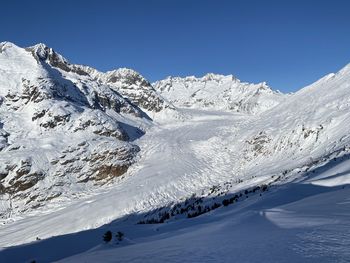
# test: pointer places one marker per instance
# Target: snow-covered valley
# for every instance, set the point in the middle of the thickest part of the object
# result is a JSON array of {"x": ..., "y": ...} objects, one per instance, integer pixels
[{"x": 241, "y": 173}]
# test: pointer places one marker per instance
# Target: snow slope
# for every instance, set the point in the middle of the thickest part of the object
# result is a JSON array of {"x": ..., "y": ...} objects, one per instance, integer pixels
[
  {"x": 310, "y": 226},
  {"x": 294, "y": 222}
]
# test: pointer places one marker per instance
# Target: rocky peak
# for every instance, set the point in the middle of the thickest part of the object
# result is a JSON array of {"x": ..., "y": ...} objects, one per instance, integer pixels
[
  {"x": 43, "y": 53},
  {"x": 127, "y": 82},
  {"x": 125, "y": 77},
  {"x": 134, "y": 86},
  {"x": 4, "y": 45}
]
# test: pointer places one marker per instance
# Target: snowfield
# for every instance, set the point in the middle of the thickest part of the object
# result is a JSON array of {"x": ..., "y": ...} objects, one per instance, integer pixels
[{"x": 218, "y": 170}]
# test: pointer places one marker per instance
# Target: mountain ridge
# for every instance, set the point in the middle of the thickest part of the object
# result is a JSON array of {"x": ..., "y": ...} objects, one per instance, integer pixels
[{"x": 217, "y": 91}]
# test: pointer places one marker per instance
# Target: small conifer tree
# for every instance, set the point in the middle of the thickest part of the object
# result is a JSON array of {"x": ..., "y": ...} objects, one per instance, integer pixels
[
  {"x": 107, "y": 237},
  {"x": 119, "y": 236}
]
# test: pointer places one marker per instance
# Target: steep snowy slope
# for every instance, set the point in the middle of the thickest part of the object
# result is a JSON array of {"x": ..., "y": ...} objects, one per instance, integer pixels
[
  {"x": 310, "y": 125},
  {"x": 219, "y": 92}
]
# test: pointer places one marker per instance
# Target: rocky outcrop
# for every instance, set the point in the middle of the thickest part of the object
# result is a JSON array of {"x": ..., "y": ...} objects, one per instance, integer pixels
[{"x": 133, "y": 86}]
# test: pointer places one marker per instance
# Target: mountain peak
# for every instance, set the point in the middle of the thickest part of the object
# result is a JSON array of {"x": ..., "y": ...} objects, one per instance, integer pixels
[
  {"x": 123, "y": 71},
  {"x": 43, "y": 52},
  {"x": 40, "y": 50},
  {"x": 127, "y": 74},
  {"x": 6, "y": 45},
  {"x": 217, "y": 77}
]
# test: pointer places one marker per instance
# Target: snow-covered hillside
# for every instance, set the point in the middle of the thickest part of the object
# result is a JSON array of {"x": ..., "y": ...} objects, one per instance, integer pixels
[
  {"x": 63, "y": 133},
  {"x": 219, "y": 92},
  {"x": 235, "y": 172}
]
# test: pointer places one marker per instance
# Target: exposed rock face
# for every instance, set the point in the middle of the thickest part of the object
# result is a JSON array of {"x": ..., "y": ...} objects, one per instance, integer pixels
[
  {"x": 3, "y": 138},
  {"x": 43, "y": 53},
  {"x": 125, "y": 80},
  {"x": 22, "y": 177},
  {"x": 132, "y": 85}
]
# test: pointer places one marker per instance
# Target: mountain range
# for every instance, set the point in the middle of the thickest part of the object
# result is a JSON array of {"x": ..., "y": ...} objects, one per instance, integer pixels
[{"x": 177, "y": 165}]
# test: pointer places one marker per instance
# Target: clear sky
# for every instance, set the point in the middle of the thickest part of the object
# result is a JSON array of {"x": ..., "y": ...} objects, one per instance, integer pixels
[{"x": 288, "y": 44}]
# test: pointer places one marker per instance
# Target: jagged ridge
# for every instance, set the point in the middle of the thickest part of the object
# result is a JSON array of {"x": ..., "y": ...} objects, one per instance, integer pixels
[{"x": 219, "y": 92}]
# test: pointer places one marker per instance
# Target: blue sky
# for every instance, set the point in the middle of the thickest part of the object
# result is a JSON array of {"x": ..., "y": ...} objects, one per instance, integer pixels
[{"x": 289, "y": 44}]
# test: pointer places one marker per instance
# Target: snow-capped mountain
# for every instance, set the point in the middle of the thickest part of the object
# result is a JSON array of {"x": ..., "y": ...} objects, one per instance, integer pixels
[
  {"x": 62, "y": 132},
  {"x": 132, "y": 85},
  {"x": 245, "y": 170},
  {"x": 220, "y": 92},
  {"x": 127, "y": 82},
  {"x": 67, "y": 127}
]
